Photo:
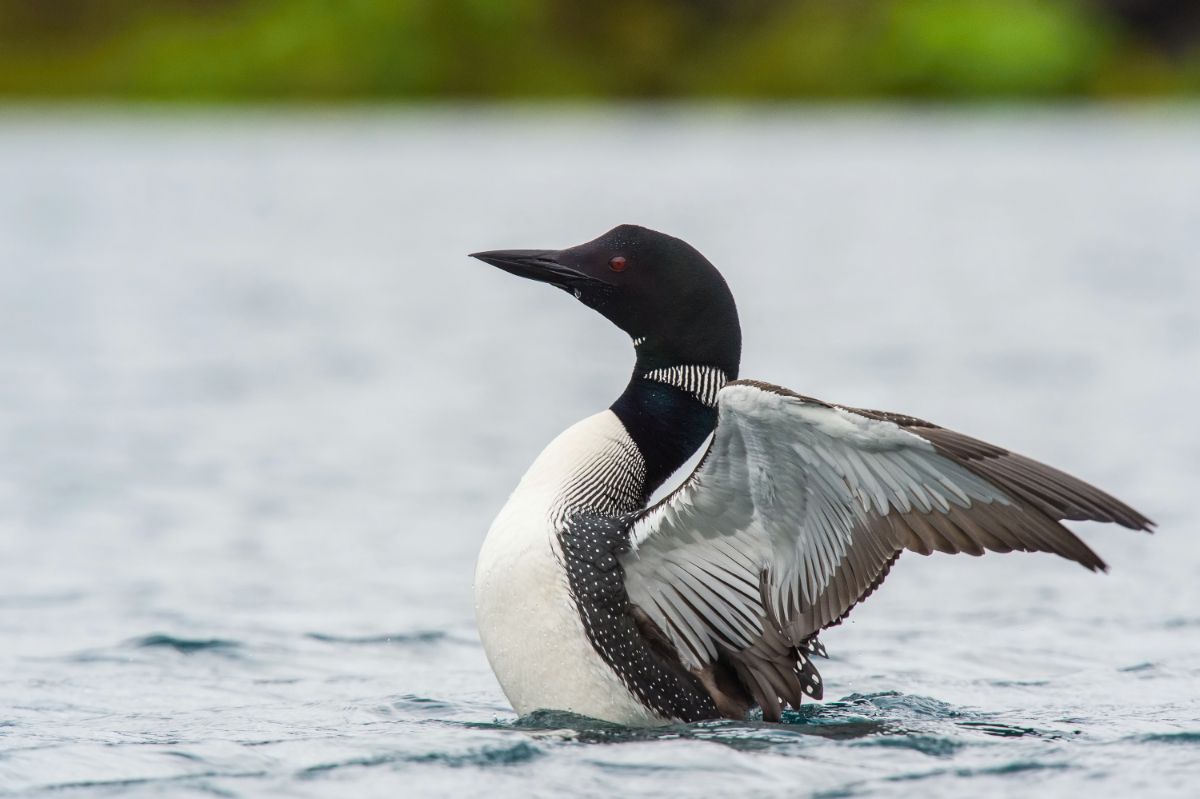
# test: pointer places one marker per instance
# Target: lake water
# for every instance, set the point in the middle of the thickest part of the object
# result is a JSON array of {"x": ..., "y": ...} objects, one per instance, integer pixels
[{"x": 257, "y": 410}]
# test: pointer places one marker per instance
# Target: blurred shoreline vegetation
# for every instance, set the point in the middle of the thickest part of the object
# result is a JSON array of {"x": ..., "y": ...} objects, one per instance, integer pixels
[{"x": 330, "y": 50}]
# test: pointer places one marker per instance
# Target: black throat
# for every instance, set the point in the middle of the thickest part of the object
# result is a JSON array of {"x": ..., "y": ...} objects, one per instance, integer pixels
[{"x": 669, "y": 408}]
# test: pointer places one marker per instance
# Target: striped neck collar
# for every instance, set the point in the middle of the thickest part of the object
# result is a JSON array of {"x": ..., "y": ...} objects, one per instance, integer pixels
[
  {"x": 668, "y": 411},
  {"x": 701, "y": 382}
]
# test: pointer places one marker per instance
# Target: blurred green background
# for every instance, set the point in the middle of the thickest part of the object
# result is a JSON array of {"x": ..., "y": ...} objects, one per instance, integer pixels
[{"x": 305, "y": 50}]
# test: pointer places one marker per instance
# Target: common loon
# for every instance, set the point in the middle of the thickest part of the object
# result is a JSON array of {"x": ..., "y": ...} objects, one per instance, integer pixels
[{"x": 709, "y": 602}]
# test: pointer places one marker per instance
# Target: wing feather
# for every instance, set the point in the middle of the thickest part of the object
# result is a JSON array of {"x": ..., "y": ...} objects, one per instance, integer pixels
[{"x": 798, "y": 511}]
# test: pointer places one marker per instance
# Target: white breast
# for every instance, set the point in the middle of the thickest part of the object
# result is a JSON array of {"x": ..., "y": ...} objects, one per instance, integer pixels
[{"x": 528, "y": 622}]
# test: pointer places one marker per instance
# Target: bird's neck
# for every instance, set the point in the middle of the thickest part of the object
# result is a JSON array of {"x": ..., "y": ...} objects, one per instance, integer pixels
[{"x": 669, "y": 408}]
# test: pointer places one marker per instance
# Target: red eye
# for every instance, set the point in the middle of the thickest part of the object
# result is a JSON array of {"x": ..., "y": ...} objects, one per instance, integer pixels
[{"x": 617, "y": 263}]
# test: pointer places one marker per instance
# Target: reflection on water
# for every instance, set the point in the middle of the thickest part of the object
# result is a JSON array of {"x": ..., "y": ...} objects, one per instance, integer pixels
[{"x": 257, "y": 409}]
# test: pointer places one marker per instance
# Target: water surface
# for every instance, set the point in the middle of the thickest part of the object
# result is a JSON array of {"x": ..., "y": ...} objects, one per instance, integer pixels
[{"x": 257, "y": 410}]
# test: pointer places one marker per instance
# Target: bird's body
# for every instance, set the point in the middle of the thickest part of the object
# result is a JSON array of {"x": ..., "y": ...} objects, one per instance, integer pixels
[
  {"x": 709, "y": 603},
  {"x": 528, "y": 618}
]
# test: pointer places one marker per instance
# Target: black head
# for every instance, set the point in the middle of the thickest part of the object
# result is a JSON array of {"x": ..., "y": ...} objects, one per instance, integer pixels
[{"x": 657, "y": 288}]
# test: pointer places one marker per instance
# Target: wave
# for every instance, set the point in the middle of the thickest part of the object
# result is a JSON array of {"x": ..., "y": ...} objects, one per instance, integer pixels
[
  {"x": 418, "y": 637},
  {"x": 186, "y": 646},
  {"x": 520, "y": 752}
]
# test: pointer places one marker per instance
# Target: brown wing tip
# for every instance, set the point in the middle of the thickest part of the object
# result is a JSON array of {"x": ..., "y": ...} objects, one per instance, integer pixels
[{"x": 1119, "y": 513}]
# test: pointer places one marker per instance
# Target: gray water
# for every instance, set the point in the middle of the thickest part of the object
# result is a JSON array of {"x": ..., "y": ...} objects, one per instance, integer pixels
[{"x": 257, "y": 410}]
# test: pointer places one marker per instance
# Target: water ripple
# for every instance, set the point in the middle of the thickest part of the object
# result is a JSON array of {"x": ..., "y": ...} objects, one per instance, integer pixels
[
  {"x": 1184, "y": 737},
  {"x": 483, "y": 757},
  {"x": 419, "y": 637},
  {"x": 186, "y": 646}
]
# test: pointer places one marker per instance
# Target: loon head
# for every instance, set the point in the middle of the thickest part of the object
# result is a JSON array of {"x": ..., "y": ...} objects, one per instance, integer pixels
[{"x": 659, "y": 289}]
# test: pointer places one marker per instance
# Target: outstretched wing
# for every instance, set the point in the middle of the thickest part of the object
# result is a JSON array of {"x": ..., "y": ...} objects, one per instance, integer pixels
[{"x": 800, "y": 507}]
